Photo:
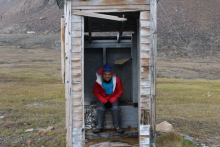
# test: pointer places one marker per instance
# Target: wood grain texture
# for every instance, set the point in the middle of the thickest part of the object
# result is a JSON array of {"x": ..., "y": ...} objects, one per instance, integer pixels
[
  {"x": 109, "y": 2},
  {"x": 68, "y": 86},
  {"x": 96, "y": 15},
  {"x": 76, "y": 80},
  {"x": 153, "y": 15},
  {"x": 117, "y": 7},
  {"x": 63, "y": 49}
]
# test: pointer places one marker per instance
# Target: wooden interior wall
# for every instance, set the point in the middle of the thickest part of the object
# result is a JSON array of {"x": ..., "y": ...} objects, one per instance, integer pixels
[{"x": 77, "y": 67}]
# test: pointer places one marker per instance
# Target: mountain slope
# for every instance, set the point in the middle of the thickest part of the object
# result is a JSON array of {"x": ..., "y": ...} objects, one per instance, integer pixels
[{"x": 33, "y": 15}]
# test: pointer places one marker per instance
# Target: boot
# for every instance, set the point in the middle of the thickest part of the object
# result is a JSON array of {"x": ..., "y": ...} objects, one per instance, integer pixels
[
  {"x": 116, "y": 116},
  {"x": 100, "y": 115}
]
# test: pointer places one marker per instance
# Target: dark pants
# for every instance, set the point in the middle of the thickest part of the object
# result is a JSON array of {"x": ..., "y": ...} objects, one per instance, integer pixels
[
  {"x": 116, "y": 113},
  {"x": 102, "y": 106}
]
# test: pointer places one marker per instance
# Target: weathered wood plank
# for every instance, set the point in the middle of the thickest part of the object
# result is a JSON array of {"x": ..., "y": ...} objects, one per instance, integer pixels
[
  {"x": 145, "y": 62},
  {"x": 145, "y": 83},
  {"x": 145, "y": 117},
  {"x": 76, "y": 72},
  {"x": 145, "y": 15},
  {"x": 77, "y": 87},
  {"x": 63, "y": 49},
  {"x": 109, "y": 2},
  {"x": 76, "y": 34},
  {"x": 145, "y": 105},
  {"x": 145, "y": 47},
  {"x": 68, "y": 91},
  {"x": 76, "y": 79},
  {"x": 96, "y": 15},
  {"x": 82, "y": 78},
  {"x": 145, "y": 32},
  {"x": 76, "y": 26},
  {"x": 145, "y": 54},
  {"x": 76, "y": 19},
  {"x": 110, "y": 10},
  {"x": 153, "y": 16},
  {"x": 145, "y": 40},
  {"x": 145, "y": 130},
  {"x": 76, "y": 41},
  {"x": 77, "y": 123},
  {"x": 145, "y": 141},
  {"x": 145, "y": 90},
  {"x": 145, "y": 24},
  {"x": 76, "y": 48},
  {"x": 118, "y": 7},
  {"x": 76, "y": 55},
  {"x": 76, "y": 64}
]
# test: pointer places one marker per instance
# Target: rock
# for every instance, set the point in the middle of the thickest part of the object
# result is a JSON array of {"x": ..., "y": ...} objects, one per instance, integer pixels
[
  {"x": 29, "y": 130},
  {"x": 1, "y": 117},
  {"x": 41, "y": 18},
  {"x": 30, "y": 32},
  {"x": 164, "y": 127},
  {"x": 187, "y": 137},
  {"x": 50, "y": 128}
]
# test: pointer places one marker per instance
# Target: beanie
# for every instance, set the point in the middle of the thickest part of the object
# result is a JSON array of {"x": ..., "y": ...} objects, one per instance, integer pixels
[{"x": 107, "y": 67}]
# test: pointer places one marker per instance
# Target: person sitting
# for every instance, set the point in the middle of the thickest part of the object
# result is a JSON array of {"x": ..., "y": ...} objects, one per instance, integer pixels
[{"x": 107, "y": 89}]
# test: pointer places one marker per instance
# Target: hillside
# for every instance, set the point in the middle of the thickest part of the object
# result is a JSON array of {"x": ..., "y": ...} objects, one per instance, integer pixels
[
  {"x": 197, "y": 23},
  {"x": 20, "y": 16}
]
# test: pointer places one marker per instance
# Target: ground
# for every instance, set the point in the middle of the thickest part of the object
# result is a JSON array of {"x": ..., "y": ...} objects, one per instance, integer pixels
[{"x": 32, "y": 96}]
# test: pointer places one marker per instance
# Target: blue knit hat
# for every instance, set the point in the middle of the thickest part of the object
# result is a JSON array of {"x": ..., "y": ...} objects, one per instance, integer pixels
[{"x": 107, "y": 67}]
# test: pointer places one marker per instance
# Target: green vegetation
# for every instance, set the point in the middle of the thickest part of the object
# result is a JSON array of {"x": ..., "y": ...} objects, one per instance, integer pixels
[
  {"x": 32, "y": 96},
  {"x": 191, "y": 106},
  {"x": 173, "y": 140}
]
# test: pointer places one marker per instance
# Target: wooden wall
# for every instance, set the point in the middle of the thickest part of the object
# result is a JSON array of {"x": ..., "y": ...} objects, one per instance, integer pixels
[
  {"x": 77, "y": 68},
  {"x": 74, "y": 66},
  {"x": 111, "y": 5},
  {"x": 144, "y": 79}
]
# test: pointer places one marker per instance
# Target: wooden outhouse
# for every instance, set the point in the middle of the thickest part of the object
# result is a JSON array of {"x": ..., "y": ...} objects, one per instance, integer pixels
[{"x": 122, "y": 33}]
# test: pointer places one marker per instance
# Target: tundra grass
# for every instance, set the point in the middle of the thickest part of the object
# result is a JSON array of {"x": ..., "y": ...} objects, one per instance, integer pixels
[
  {"x": 191, "y": 106},
  {"x": 32, "y": 96}
]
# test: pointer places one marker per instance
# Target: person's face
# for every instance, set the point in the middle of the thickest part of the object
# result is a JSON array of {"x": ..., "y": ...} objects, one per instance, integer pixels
[{"x": 107, "y": 76}]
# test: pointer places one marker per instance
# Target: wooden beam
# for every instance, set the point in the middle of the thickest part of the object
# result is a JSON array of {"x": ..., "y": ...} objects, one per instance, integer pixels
[
  {"x": 153, "y": 45},
  {"x": 109, "y": 2},
  {"x": 96, "y": 15},
  {"x": 121, "y": 30},
  {"x": 117, "y": 7},
  {"x": 63, "y": 49},
  {"x": 68, "y": 86}
]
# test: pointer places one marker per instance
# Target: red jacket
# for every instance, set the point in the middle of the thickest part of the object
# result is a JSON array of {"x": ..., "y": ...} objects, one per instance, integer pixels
[{"x": 99, "y": 91}]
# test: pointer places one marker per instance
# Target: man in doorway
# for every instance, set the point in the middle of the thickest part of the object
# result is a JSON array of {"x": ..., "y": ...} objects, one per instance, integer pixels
[{"x": 108, "y": 88}]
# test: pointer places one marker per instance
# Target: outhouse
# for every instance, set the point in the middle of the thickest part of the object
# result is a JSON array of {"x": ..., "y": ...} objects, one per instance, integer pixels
[{"x": 119, "y": 32}]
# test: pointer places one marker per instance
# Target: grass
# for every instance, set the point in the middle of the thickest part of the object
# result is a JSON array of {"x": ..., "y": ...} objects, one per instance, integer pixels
[
  {"x": 173, "y": 140},
  {"x": 187, "y": 106},
  {"x": 32, "y": 96}
]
